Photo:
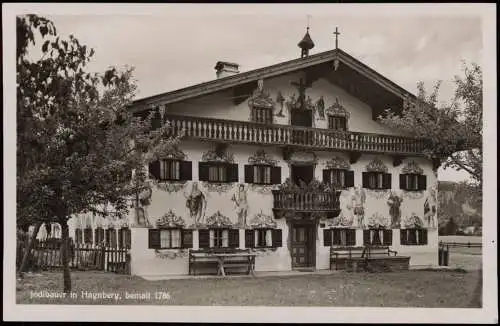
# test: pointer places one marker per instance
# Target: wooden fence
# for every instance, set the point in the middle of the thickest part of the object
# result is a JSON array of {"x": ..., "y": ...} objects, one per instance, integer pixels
[
  {"x": 461, "y": 244},
  {"x": 46, "y": 255}
]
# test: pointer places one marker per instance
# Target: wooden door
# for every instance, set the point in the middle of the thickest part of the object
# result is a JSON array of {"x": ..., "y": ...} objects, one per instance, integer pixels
[{"x": 302, "y": 245}]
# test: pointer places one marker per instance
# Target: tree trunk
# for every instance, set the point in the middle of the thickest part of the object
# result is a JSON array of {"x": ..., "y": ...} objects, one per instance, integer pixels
[
  {"x": 28, "y": 249},
  {"x": 64, "y": 254}
]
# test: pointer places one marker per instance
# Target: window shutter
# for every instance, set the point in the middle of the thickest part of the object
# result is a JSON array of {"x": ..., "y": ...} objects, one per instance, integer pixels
[
  {"x": 402, "y": 236},
  {"x": 424, "y": 236},
  {"x": 96, "y": 236},
  {"x": 366, "y": 176},
  {"x": 336, "y": 239},
  {"x": 326, "y": 176},
  {"x": 376, "y": 237},
  {"x": 277, "y": 238},
  {"x": 204, "y": 238},
  {"x": 387, "y": 181},
  {"x": 402, "y": 181},
  {"x": 187, "y": 239},
  {"x": 154, "y": 169},
  {"x": 186, "y": 169},
  {"x": 387, "y": 237},
  {"x": 154, "y": 239},
  {"x": 276, "y": 175},
  {"x": 351, "y": 237},
  {"x": 366, "y": 237},
  {"x": 327, "y": 237},
  {"x": 120, "y": 238},
  {"x": 422, "y": 182},
  {"x": 203, "y": 171},
  {"x": 234, "y": 238},
  {"x": 249, "y": 239},
  {"x": 248, "y": 173},
  {"x": 232, "y": 170},
  {"x": 349, "y": 178}
]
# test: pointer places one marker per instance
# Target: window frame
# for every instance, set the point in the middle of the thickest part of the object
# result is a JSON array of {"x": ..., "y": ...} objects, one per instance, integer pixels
[
  {"x": 328, "y": 173},
  {"x": 183, "y": 172},
  {"x": 267, "y": 114},
  {"x": 183, "y": 244},
  {"x": 419, "y": 181},
  {"x": 333, "y": 122},
  {"x": 383, "y": 180},
  {"x": 350, "y": 241},
  {"x": 405, "y": 236},
  {"x": 383, "y": 240}
]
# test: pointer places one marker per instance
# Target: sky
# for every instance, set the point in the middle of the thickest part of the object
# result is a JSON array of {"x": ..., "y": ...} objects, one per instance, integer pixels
[{"x": 178, "y": 46}]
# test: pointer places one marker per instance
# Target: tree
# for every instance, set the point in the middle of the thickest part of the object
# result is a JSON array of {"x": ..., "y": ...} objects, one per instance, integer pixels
[
  {"x": 453, "y": 131},
  {"x": 77, "y": 143}
]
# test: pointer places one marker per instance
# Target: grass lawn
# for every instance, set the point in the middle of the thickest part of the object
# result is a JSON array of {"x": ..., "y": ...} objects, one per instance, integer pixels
[{"x": 445, "y": 289}]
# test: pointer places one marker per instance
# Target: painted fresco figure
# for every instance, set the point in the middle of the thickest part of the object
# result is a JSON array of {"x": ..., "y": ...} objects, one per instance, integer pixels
[
  {"x": 430, "y": 209},
  {"x": 240, "y": 199},
  {"x": 196, "y": 203},
  {"x": 320, "y": 107},
  {"x": 394, "y": 203},
  {"x": 358, "y": 200}
]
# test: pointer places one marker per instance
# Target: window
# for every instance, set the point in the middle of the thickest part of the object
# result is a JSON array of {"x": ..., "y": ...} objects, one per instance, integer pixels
[
  {"x": 219, "y": 238},
  {"x": 339, "y": 178},
  {"x": 376, "y": 180},
  {"x": 412, "y": 182},
  {"x": 171, "y": 170},
  {"x": 87, "y": 235},
  {"x": 339, "y": 237},
  {"x": 110, "y": 240},
  {"x": 78, "y": 236},
  {"x": 218, "y": 172},
  {"x": 414, "y": 237},
  {"x": 124, "y": 238},
  {"x": 337, "y": 123},
  {"x": 262, "y": 174},
  {"x": 99, "y": 236},
  {"x": 377, "y": 237},
  {"x": 170, "y": 238},
  {"x": 263, "y": 238},
  {"x": 262, "y": 115}
]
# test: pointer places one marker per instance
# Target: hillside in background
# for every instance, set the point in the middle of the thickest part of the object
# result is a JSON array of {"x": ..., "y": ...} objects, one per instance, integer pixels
[{"x": 458, "y": 209}]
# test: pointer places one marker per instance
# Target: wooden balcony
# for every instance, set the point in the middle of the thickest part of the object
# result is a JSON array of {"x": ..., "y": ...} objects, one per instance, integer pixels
[
  {"x": 290, "y": 202},
  {"x": 232, "y": 131}
]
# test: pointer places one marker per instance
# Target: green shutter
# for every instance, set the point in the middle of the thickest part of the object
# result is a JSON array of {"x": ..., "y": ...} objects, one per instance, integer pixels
[
  {"x": 402, "y": 182},
  {"x": 366, "y": 237},
  {"x": 204, "y": 238},
  {"x": 349, "y": 179},
  {"x": 276, "y": 175},
  {"x": 249, "y": 239},
  {"x": 387, "y": 238},
  {"x": 186, "y": 169},
  {"x": 277, "y": 238},
  {"x": 351, "y": 237},
  {"x": 248, "y": 173},
  {"x": 234, "y": 238},
  {"x": 154, "y": 170},
  {"x": 422, "y": 182},
  {"x": 327, "y": 237},
  {"x": 366, "y": 176},
  {"x": 203, "y": 171},
  {"x": 187, "y": 238},
  {"x": 154, "y": 239},
  {"x": 387, "y": 181},
  {"x": 232, "y": 170}
]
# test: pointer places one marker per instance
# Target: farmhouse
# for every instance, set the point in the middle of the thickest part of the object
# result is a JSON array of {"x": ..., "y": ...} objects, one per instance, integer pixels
[{"x": 287, "y": 162}]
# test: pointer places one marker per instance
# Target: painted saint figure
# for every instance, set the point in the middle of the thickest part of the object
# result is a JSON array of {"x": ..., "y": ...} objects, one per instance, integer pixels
[
  {"x": 196, "y": 203},
  {"x": 358, "y": 200},
  {"x": 430, "y": 209},
  {"x": 394, "y": 203},
  {"x": 320, "y": 107},
  {"x": 240, "y": 199}
]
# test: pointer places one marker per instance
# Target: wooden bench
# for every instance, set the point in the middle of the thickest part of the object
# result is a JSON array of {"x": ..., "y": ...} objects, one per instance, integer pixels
[
  {"x": 221, "y": 259},
  {"x": 377, "y": 251},
  {"x": 345, "y": 255}
]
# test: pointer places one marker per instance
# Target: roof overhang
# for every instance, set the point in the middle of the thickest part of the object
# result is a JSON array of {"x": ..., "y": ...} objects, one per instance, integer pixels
[{"x": 252, "y": 76}]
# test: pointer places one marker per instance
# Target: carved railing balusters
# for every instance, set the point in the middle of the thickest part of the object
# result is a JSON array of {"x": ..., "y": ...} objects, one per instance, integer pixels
[{"x": 272, "y": 134}]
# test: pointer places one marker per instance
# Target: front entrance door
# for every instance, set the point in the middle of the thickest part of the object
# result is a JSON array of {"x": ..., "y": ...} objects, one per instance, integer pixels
[{"x": 303, "y": 245}]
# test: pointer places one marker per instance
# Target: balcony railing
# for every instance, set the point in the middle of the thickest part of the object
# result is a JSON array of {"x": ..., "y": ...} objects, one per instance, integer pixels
[
  {"x": 286, "y": 135},
  {"x": 303, "y": 200}
]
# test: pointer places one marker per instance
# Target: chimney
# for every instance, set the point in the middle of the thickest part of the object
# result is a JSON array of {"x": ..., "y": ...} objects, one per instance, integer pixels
[{"x": 225, "y": 69}]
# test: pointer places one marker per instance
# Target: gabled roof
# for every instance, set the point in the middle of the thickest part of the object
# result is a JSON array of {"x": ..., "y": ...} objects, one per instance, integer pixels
[{"x": 271, "y": 71}]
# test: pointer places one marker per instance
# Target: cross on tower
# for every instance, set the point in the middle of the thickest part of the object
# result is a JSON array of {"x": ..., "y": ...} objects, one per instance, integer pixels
[
  {"x": 336, "y": 37},
  {"x": 301, "y": 86}
]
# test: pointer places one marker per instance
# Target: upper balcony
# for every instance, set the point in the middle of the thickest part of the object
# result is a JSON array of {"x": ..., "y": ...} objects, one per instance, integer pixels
[{"x": 231, "y": 131}]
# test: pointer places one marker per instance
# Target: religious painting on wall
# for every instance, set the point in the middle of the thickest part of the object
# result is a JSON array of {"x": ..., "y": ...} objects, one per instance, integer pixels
[
  {"x": 394, "y": 201},
  {"x": 241, "y": 202},
  {"x": 357, "y": 205},
  {"x": 196, "y": 203},
  {"x": 430, "y": 209}
]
